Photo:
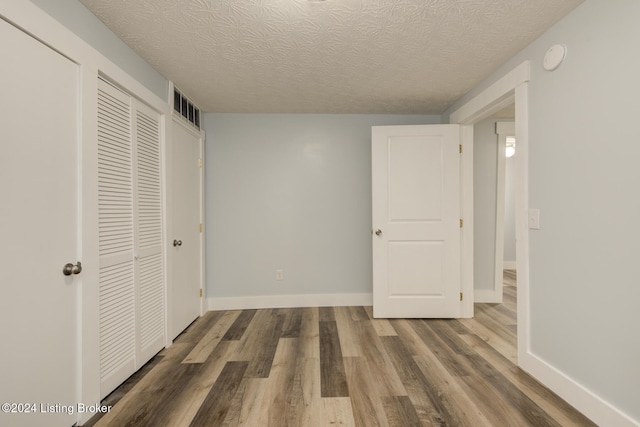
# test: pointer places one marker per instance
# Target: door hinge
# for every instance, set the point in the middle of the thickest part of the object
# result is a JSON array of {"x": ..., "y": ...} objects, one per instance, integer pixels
[
  {"x": 460, "y": 148},
  {"x": 199, "y": 163},
  {"x": 201, "y": 293},
  {"x": 200, "y": 228},
  {"x": 460, "y": 296},
  {"x": 461, "y": 223}
]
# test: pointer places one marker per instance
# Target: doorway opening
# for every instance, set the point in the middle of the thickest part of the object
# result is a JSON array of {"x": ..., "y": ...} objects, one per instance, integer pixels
[
  {"x": 512, "y": 88},
  {"x": 505, "y": 242}
]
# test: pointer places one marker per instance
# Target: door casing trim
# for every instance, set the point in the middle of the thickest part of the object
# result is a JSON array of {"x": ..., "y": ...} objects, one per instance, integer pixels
[{"x": 512, "y": 87}]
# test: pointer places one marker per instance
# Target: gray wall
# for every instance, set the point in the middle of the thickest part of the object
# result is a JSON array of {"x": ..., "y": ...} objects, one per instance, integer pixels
[
  {"x": 510, "y": 208},
  {"x": 485, "y": 159},
  {"x": 77, "y": 18},
  {"x": 584, "y": 177},
  {"x": 290, "y": 192},
  {"x": 485, "y": 163}
]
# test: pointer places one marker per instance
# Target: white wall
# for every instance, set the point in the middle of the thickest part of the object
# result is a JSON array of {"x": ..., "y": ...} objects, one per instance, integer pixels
[
  {"x": 584, "y": 176},
  {"x": 290, "y": 192},
  {"x": 77, "y": 18}
]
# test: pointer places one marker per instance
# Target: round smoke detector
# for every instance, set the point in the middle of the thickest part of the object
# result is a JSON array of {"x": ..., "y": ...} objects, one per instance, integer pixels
[{"x": 554, "y": 57}]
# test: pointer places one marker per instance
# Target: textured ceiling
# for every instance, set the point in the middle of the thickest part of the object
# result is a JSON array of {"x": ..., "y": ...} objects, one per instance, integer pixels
[{"x": 333, "y": 56}]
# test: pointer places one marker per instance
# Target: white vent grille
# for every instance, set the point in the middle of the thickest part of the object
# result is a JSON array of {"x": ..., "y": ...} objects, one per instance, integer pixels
[{"x": 186, "y": 109}]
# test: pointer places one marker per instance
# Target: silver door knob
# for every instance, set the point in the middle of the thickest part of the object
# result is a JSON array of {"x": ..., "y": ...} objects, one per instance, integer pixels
[
  {"x": 70, "y": 269},
  {"x": 378, "y": 232},
  {"x": 177, "y": 243}
]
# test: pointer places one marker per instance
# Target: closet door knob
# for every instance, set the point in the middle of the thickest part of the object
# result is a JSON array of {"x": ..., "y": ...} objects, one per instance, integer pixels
[
  {"x": 70, "y": 269},
  {"x": 177, "y": 243}
]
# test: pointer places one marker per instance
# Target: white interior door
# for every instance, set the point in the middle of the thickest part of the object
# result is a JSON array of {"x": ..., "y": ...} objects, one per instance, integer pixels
[
  {"x": 185, "y": 242},
  {"x": 416, "y": 221},
  {"x": 39, "y": 228}
]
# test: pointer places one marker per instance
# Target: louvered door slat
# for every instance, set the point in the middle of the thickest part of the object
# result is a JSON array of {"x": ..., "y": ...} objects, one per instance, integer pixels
[
  {"x": 149, "y": 233},
  {"x": 116, "y": 237}
]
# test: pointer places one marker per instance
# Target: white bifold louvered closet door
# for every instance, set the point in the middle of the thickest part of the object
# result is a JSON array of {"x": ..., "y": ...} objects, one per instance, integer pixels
[{"x": 132, "y": 312}]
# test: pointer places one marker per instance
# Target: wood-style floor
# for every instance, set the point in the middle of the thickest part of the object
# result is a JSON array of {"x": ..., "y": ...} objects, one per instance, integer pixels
[{"x": 338, "y": 366}]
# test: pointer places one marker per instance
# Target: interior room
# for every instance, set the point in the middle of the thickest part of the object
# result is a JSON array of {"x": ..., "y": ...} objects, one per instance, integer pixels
[{"x": 315, "y": 212}]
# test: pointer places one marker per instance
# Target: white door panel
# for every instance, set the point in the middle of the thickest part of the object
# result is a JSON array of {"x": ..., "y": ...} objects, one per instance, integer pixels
[
  {"x": 415, "y": 192},
  {"x": 186, "y": 268},
  {"x": 150, "y": 282},
  {"x": 115, "y": 238},
  {"x": 39, "y": 229},
  {"x": 416, "y": 212}
]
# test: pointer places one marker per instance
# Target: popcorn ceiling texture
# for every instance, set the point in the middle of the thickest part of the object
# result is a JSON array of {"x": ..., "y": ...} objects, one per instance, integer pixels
[{"x": 333, "y": 56}]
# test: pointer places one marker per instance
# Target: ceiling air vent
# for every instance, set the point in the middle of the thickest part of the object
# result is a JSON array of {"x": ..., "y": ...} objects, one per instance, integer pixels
[{"x": 184, "y": 108}]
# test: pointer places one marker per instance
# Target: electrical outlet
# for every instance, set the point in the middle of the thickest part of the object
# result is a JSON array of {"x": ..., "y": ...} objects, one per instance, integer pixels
[{"x": 279, "y": 275}]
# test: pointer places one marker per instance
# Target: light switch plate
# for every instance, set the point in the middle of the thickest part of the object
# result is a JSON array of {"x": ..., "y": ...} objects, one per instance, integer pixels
[{"x": 534, "y": 219}]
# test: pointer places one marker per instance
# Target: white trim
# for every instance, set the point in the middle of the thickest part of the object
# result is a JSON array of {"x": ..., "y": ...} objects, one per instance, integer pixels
[
  {"x": 498, "y": 256},
  {"x": 506, "y": 128},
  {"x": 288, "y": 301},
  {"x": 592, "y": 406},
  {"x": 493, "y": 99},
  {"x": 487, "y": 296},
  {"x": 521, "y": 215},
  {"x": 167, "y": 143},
  {"x": 90, "y": 319},
  {"x": 466, "y": 233},
  {"x": 503, "y": 129},
  {"x": 203, "y": 246}
]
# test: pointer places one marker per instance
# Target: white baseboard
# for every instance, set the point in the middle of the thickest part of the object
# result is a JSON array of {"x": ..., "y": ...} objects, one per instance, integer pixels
[
  {"x": 487, "y": 296},
  {"x": 288, "y": 301},
  {"x": 592, "y": 406},
  {"x": 509, "y": 265}
]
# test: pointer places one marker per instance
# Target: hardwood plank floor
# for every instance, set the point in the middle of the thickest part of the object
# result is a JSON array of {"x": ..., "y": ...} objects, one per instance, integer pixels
[{"x": 338, "y": 366}]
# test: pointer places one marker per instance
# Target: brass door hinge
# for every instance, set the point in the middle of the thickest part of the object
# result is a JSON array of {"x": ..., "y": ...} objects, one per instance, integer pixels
[
  {"x": 461, "y": 223},
  {"x": 200, "y": 228},
  {"x": 201, "y": 293},
  {"x": 199, "y": 163},
  {"x": 460, "y": 296},
  {"x": 460, "y": 148}
]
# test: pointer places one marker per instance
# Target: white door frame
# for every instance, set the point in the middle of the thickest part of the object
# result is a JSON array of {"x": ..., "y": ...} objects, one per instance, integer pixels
[
  {"x": 503, "y": 130},
  {"x": 512, "y": 87}
]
